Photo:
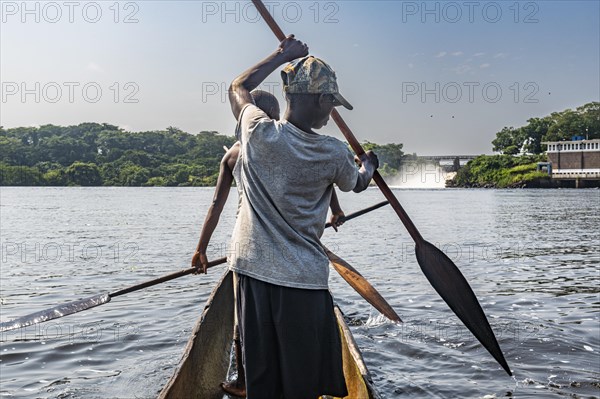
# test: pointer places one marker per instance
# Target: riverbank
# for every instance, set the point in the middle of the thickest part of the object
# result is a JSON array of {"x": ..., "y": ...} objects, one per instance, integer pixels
[
  {"x": 507, "y": 171},
  {"x": 502, "y": 171}
]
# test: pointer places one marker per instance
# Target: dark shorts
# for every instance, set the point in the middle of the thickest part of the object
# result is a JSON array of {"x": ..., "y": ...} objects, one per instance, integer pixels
[{"x": 290, "y": 342}]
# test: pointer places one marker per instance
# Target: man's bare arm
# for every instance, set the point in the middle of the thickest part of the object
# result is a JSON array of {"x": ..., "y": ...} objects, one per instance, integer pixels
[
  {"x": 214, "y": 211},
  {"x": 239, "y": 91},
  {"x": 337, "y": 214}
]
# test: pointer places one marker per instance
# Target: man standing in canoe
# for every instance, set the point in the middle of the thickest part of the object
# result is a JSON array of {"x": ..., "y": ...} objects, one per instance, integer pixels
[
  {"x": 290, "y": 339},
  {"x": 228, "y": 172}
]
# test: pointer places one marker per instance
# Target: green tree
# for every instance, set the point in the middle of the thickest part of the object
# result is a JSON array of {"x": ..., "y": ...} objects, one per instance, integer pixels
[
  {"x": 558, "y": 126},
  {"x": 511, "y": 150},
  {"x": 19, "y": 175},
  {"x": 138, "y": 157},
  {"x": 533, "y": 134},
  {"x": 564, "y": 125},
  {"x": 55, "y": 177},
  {"x": 12, "y": 151},
  {"x": 133, "y": 175},
  {"x": 109, "y": 172},
  {"x": 507, "y": 138},
  {"x": 584, "y": 121},
  {"x": 591, "y": 119},
  {"x": 84, "y": 174},
  {"x": 390, "y": 154},
  {"x": 158, "y": 181}
]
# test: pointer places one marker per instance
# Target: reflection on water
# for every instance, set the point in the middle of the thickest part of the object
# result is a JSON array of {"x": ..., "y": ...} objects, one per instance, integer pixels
[
  {"x": 531, "y": 257},
  {"x": 55, "y": 312}
]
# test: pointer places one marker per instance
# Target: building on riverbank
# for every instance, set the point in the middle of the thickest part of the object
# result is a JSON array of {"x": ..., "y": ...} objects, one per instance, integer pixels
[{"x": 575, "y": 161}]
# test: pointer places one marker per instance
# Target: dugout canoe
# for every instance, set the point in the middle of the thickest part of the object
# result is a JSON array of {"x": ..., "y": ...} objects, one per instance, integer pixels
[{"x": 207, "y": 355}]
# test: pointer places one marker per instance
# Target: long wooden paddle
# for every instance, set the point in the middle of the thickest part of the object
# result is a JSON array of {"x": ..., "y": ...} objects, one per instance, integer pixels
[
  {"x": 358, "y": 283},
  {"x": 362, "y": 286},
  {"x": 91, "y": 302},
  {"x": 441, "y": 272}
]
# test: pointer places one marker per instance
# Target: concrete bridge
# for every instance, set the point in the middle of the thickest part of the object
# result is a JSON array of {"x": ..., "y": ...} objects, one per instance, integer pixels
[
  {"x": 450, "y": 163},
  {"x": 450, "y": 158}
]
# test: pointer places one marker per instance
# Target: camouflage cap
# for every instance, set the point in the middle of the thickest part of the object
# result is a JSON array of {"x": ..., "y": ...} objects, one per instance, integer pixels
[{"x": 312, "y": 75}]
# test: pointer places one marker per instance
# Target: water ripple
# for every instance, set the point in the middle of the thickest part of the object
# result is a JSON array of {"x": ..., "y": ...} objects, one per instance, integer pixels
[{"x": 530, "y": 256}]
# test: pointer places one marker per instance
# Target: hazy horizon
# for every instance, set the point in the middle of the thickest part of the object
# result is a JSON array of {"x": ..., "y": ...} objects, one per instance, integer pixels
[{"x": 439, "y": 77}]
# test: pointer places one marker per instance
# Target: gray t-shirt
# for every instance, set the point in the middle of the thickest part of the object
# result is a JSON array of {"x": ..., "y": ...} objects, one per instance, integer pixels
[{"x": 287, "y": 177}]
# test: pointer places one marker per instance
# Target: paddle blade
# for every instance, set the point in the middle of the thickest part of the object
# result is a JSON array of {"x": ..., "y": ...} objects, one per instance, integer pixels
[
  {"x": 55, "y": 312},
  {"x": 362, "y": 286},
  {"x": 452, "y": 286}
]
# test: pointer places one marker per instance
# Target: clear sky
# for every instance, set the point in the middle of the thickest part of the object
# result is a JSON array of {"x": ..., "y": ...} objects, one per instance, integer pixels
[{"x": 442, "y": 77}]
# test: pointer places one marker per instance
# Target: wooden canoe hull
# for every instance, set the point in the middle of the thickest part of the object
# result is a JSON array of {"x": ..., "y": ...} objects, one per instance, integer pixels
[{"x": 207, "y": 355}]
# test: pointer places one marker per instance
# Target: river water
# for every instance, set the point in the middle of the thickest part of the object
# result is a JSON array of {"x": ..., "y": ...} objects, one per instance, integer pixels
[{"x": 531, "y": 256}]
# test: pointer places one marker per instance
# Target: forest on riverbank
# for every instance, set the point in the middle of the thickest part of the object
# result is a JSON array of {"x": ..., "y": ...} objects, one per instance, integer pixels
[{"x": 100, "y": 154}]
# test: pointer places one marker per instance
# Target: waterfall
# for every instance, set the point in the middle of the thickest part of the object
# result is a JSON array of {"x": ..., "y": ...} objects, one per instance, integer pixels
[{"x": 427, "y": 174}]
